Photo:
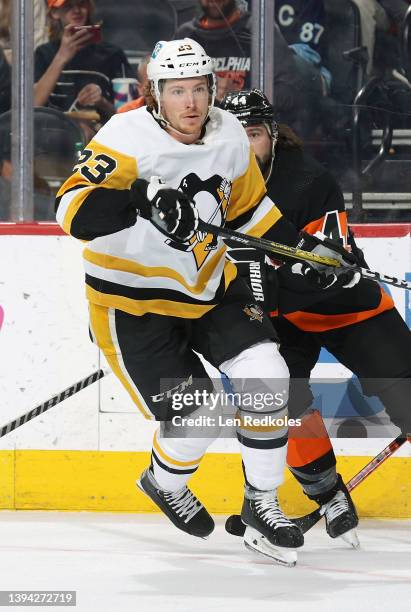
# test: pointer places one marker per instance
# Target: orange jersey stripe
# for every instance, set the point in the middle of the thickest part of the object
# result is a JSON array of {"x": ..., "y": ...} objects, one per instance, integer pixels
[{"x": 313, "y": 322}]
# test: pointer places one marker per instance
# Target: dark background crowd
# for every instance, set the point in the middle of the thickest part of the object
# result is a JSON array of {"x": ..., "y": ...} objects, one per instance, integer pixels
[{"x": 341, "y": 80}]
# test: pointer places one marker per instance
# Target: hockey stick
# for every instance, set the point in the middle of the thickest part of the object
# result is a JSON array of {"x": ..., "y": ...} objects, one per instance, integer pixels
[
  {"x": 53, "y": 401},
  {"x": 235, "y": 526},
  {"x": 283, "y": 250}
]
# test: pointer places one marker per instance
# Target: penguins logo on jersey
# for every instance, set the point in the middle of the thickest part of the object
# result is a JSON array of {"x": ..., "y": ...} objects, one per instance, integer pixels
[
  {"x": 211, "y": 198},
  {"x": 254, "y": 312}
]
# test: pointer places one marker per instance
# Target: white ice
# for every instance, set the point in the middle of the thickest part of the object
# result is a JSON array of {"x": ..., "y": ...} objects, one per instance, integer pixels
[{"x": 141, "y": 563}]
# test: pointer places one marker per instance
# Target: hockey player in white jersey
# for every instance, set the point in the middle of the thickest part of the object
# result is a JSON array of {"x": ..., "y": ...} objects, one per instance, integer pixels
[{"x": 159, "y": 289}]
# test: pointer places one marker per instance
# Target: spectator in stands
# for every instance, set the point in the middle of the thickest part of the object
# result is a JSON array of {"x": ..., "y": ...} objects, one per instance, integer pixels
[
  {"x": 40, "y": 22},
  {"x": 224, "y": 30},
  {"x": 70, "y": 48},
  {"x": 376, "y": 16},
  {"x": 185, "y": 9},
  {"x": 395, "y": 9},
  {"x": 5, "y": 83},
  {"x": 303, "y": 25},
  {"x": 141, "y": 81}
]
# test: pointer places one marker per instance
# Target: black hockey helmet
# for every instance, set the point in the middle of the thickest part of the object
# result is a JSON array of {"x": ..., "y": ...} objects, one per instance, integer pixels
[{"x": 251, "y": 107}]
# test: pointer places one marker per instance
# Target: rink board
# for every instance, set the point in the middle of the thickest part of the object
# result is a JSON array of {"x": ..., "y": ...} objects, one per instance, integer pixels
[
  {"x": 86, "y": 453},
  {"x": 104, "y": 481}
]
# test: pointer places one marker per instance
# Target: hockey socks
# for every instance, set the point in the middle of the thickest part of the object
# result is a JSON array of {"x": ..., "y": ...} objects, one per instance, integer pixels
[
  {"x": 175, "y": 460},
  {"x": 310, "y": 456}
]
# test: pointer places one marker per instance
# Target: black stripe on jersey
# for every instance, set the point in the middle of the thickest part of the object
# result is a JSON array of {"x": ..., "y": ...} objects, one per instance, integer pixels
[
  {"x": 242, "y": 219},
  {"x": 104, "y": 211},
  {"x": 169, "y": 469},
  {"x": 139, "y": 293},
  {"x": 58, "y": 200},
  {"x": 262, "y": 444}
]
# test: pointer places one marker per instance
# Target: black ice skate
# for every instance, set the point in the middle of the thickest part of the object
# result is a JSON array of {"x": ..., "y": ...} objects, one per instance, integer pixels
[
  {"x": 340, "y": 515},
  {"x": 269, "y": 531},
  {"x": 182, "y": 507}
]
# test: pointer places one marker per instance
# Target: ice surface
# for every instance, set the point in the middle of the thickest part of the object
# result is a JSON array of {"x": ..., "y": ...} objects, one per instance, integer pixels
[{"x": 141, "y": 563}]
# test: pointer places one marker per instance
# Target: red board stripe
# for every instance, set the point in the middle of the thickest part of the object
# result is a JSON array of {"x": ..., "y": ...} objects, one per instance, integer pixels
[
  {"x": 31, "y": 229},
  {"x": 381, "y": 230}
]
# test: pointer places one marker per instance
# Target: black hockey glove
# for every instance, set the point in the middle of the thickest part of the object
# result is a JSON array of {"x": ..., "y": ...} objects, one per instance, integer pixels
[
  {"x": 171, "y": 211},
  {"x": 320, "y": 275},
  {"x": 259, "y": 276}
]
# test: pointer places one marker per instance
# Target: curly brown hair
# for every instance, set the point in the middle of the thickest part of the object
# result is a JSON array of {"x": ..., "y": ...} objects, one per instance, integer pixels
[
  {"x": 287, "y": 138},
  {"x": 149, "y": 97}
]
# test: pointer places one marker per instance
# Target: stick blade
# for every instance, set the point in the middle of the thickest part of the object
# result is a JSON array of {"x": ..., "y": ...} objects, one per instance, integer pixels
[{"x": 309, "y": 520}]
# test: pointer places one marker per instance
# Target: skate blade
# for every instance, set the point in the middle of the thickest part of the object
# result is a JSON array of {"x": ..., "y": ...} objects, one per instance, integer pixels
[
  {"x": 256, "y": 542},
  {"x": 351, "y": 538}
]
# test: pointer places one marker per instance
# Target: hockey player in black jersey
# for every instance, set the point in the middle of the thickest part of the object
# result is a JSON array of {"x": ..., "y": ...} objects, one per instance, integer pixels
[{"x": 361, "y": 327}]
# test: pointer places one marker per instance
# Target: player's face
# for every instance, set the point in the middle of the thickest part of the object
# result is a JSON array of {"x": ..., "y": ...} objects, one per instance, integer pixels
[
  {"x": 184, "y": 103},
  {"x": 261, "y": 142},
  {"x": 218, "y": 9}
]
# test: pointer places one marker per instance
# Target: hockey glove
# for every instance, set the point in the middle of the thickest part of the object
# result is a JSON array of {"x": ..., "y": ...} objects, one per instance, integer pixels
[
  {"x": 171, "y": 211},
  {"x": 320, "y": 275}
]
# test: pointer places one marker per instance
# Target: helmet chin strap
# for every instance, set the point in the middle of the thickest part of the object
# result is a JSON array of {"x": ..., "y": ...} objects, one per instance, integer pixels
[
  {"x": 273, "y": 133},
  {"x": 166, "y": 124}
]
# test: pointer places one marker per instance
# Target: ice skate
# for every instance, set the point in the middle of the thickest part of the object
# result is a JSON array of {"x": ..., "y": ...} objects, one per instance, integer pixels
[
  {"x": 341, "y": 517},
  {"x": 269, "y": 532},
  {"x": 182, "y": 507}
]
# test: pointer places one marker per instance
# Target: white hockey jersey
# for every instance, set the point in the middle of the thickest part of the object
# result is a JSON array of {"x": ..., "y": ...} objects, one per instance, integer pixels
[{"x": 138, "y": 269}]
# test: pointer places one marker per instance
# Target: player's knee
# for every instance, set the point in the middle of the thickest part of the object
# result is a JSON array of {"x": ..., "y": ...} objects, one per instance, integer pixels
[
  {"x": 259, "y": 377},
  {"x": 262, "y": 360},
  {"x": 301, "y": 397}
]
